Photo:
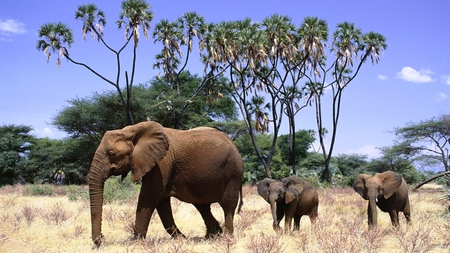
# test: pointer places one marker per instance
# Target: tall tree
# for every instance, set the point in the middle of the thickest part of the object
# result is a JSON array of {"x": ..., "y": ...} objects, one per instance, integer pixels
[
  {"x": 135, "y": 15},
  {"x": 178, "y": 40},
  {"x": 351, "y": 49}
]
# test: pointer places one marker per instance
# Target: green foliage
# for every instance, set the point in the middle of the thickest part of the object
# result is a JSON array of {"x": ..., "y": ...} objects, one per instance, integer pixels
[
  {"x": 75, "y": 193},
  {"x": 416, "y": 140},
  {"x": 15, "y": 144},
  {"x": 37, "y": 190},
  {"x": 166, "y": 105},
  {"x": 253, "y": 169},
  {"x": 392, "y": 160},
  {"x": 117, "y": 190},
  {"x": 351, "y": 164},
  {"x": 303, "y": 141}
]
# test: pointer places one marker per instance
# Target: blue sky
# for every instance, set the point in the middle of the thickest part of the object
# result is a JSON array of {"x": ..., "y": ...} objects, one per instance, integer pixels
[{"x": 411, "y": 83}]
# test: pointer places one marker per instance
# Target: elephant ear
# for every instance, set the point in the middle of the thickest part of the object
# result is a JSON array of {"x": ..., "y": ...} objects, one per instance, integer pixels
[
  {"x": 392, "y": 182},
  {"x": 290, "y": 195},
  {"x": 150, "y": 146},
  {"x": 359, "y": 185},
  {"x": 263, "y": 188}
]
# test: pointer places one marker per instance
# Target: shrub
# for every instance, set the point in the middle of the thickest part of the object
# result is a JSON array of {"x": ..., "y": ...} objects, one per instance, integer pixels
[
  {"x": 57, "y": 214},
  {"x": 120, "y": 190},
  {"x": 75, "y": 193},
  {"x": 37, "y": 190}
]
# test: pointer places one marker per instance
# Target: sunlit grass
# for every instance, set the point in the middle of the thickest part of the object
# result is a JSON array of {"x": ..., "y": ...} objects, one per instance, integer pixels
[{"x": 56, "y": 224}]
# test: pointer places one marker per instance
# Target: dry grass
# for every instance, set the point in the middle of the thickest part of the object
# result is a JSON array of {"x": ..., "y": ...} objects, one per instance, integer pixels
[{"x": 55, "y": 224}]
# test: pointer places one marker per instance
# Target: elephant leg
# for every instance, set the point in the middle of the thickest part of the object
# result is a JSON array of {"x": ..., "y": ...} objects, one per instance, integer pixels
[
  {"x": 212, "y": 226},
  {"x": 297, "y": 222},
  {"x": 407, "y": 212},
  {"x": 280, "y": 213},
  {"x": 228, "y": 211},
  {"x": 165, "y": 214},
  {"x": 287, "y": 223},
  {"x": 313, "y": 215},
  {"x": 145, "y": 208},
  {"x": 394, "y": 217}
]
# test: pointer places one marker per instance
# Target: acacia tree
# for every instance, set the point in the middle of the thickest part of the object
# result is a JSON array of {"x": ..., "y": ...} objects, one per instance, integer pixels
[
  {"x": 351, "y": 49},
  {"x": 57, "y": 38},
  {"x": 427, "y": 141}
]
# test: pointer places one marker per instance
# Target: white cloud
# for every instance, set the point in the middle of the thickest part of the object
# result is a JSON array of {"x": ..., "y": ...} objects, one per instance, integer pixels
[
  {"x": 11, "y": 26},
  {"x": 46, "y": 132},
  {"x": 446, "y": 79},
  {"x": 369, "y": 150},
  {"x": 411, "y": 75},
  {"x": 442, "y": 96},
  {"x": 382, "y": 78}
]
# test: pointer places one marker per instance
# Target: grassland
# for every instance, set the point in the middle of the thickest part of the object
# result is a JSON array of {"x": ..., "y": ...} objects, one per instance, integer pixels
[{"x": 57, "y": 224}]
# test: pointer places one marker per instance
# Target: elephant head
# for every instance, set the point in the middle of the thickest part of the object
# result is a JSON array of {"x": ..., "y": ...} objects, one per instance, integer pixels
[
  {"x": 275, "y": 191},
  {"x": 382, "y": 185},
  {"x": 137, "y": 148}
]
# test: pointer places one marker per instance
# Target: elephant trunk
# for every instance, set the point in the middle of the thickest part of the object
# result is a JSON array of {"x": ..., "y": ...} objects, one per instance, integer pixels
[
  {"x": 96, "y": 184},
  {"x": 372, "y": 212},
  {"x": 273, "y": 207}
]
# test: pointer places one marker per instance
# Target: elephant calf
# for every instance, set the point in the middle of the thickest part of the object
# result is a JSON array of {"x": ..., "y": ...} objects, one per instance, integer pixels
[
  {"x": 388, "y": 191},
  {"x": 291, "y": 197}
]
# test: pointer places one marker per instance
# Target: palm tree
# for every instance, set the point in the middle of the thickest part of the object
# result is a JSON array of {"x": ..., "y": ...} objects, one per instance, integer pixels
[
  {"x": 138, "y": 15},
  {"x": 346, "y": 43},
  {"x": 373, "y": 45},
  {"x": 135, "y": 14},
  {"x": 93, "y": 20},
  {"x": 168, "y": 33},
  {"x": 313, "y": 33},
  {"x": 258, "y": 109},
  {"x": 55, "y": 38}
]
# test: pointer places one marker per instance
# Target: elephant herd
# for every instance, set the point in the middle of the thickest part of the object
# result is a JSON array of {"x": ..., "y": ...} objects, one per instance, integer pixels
[
  {"x": 293, "y": 197},
  {"x": 202, "y": 166}
]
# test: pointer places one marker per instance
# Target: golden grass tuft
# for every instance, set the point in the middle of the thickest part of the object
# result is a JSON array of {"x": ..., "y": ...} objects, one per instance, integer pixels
[{"x": 55, "y": 224}]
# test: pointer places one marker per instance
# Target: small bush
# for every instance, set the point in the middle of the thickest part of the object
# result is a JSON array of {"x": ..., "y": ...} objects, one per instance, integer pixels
[
  {"x": 264, "y": 243},
  {"x": 57, "y": 214},
  {"x": 29, "y": 213},
  {"x": 38, "y": 190},
  {"x": 75, "y": 193},
  {"x": 117, "y": 190}
]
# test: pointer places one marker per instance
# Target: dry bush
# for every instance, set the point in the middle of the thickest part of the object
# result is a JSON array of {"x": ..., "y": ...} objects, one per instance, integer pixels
[
  {"x": 246, "y": 219},
  {"x": 265, "y": 243},
  {"x": 29, "y": 213},
  {"x": 224, "y": 243},
  {"x": 9, "y": 201},
  {"x": 57, "y": 214}
]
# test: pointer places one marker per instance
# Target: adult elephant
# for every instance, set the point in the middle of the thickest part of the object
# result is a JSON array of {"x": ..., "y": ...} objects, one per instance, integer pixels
[
  {"x": 199, "y": 166},
  {"x": 388, "y": 191},
  {"x": 291, "y": 197}
]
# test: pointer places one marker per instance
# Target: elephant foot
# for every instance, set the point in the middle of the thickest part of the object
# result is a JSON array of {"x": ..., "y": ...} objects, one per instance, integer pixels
[
  {"x": 174, "y": 232},
  {"x": 98, "y": 240},
  {"x": 213, "y": 232}
]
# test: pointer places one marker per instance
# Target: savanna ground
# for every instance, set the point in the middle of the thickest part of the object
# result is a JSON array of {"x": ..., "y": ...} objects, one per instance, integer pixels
[{"x": 57, "y": 224}]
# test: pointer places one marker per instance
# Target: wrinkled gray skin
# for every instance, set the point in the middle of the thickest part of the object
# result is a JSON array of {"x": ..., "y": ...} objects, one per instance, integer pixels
[
  {"x": 290, "y": 198},
  {"x": 388, "y": 191},
  {"x": 199, "y": 166}
]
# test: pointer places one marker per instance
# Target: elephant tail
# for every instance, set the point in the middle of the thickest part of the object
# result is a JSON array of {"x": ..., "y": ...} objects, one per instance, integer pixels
[{"x": 241, "y": 200}]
